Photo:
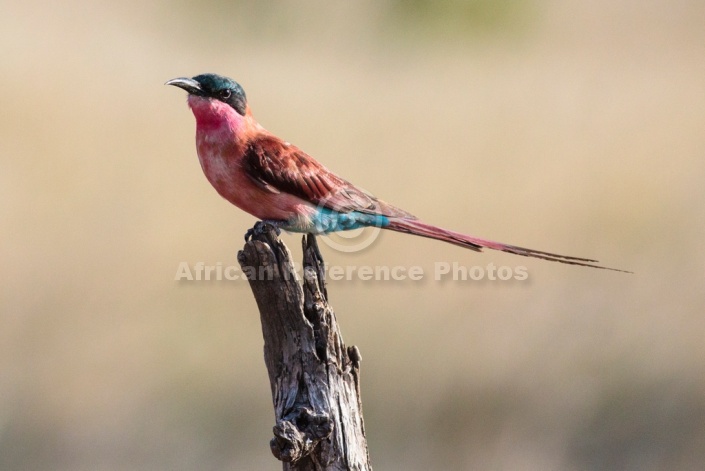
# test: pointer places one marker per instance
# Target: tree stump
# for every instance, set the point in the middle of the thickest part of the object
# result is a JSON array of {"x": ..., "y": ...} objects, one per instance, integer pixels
[{"x": 314, "y": 377}]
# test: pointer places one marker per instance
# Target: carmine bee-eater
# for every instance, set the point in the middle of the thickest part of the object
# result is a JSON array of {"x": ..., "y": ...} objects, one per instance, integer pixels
[{"x": 280, "y": 184}]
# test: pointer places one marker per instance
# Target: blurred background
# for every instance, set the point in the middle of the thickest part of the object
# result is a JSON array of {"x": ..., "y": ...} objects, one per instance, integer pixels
[{"x": 568, "y": 126}]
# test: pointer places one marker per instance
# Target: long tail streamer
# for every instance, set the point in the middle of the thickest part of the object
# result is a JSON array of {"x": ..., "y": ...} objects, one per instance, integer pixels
[{"x": 416, "y": 227}]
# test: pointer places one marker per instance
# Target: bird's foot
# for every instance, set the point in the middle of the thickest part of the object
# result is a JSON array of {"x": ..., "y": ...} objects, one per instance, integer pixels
[{"x": 261, "y": 227}]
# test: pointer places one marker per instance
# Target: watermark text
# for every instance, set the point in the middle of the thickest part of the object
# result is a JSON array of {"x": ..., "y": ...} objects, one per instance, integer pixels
[{"x": 441, "y": 271}]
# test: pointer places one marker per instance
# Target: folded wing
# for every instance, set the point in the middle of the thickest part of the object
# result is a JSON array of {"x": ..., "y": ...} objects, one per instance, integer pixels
[{"x": 279, "y": 167}]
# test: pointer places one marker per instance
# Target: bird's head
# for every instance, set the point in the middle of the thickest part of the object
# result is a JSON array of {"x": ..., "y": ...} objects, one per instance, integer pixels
[{"x": 214, "y": 99}]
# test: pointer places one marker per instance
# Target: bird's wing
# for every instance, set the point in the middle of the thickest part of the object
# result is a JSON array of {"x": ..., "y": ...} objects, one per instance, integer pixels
[{"x": 278, "y": 167}]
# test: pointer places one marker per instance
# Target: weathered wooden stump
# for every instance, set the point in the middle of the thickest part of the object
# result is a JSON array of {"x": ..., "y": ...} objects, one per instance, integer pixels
[{"x": 314, "y": 377}]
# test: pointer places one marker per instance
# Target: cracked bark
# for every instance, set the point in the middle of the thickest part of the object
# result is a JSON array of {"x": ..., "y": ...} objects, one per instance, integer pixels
[{"x": 314, "y": 377}]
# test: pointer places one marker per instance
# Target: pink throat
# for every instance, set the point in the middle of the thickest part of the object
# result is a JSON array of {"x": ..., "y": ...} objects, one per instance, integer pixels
[{"x": 215, "y": 115}]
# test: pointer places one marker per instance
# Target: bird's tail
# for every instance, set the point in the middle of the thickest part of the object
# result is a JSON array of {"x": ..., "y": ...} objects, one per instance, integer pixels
[{"x": 416, "y": 227}]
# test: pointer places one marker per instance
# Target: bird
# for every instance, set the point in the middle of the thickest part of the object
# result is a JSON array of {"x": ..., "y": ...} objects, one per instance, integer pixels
[{"x": 282, "y": 185}]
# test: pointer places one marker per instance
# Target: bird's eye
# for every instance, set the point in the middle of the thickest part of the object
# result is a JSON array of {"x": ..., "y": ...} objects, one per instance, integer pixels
[{"x": 225, "y": 94}]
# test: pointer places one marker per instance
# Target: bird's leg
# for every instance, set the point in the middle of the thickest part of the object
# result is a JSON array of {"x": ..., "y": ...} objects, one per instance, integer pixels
[{"x": 260, "y": 227}]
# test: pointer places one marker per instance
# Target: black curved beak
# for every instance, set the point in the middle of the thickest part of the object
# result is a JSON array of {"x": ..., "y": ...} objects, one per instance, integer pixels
[{"x": 190, "y": 85}]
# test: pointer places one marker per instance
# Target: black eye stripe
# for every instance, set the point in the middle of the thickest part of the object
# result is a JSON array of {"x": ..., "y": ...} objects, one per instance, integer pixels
[{"x": 223, "y": 89}]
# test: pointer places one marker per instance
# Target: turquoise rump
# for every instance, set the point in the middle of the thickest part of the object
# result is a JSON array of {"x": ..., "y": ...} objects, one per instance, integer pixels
[{"x": 327, "y": 220}]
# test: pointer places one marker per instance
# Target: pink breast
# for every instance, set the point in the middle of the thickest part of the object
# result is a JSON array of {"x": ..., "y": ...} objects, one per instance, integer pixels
[{"x": 221, "y": 163}]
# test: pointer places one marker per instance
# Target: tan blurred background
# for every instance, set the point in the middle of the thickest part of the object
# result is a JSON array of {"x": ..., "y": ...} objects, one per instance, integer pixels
[{"x": 575, "y": 127}]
